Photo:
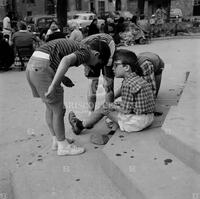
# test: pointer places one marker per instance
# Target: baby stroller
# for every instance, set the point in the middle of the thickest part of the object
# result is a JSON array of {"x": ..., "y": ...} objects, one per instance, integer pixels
[{"x": 133, "y": 35}]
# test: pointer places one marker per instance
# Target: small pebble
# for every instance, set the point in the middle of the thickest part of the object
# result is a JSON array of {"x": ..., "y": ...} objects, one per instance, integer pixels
[
  {"x": 30, "y": 163},
  {"x": 39, "y": 146},
  {"x": 112, "y": 144},
  {"x": 18, "y": 156},
  {"x": 118, "y": 154},
  {"x": 132, "y": 157},
  {"x": 121, "y": 136},
  {"x": 167, "y": 161},
  {"x": 125, "y": 152},
  {"x": 77, "y": 179},
  {"x": 96, "y": 147},
  {"x": 42, "y": 134},
  {"x": 39, "y": 159},
  {"x": 132, "y": 149},
  {"x": 39, "y": 156},
  {"x": 155, "y": 158}
]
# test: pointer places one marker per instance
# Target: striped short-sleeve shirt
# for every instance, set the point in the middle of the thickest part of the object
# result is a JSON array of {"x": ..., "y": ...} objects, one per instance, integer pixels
[{"x": 59, "y": 48}]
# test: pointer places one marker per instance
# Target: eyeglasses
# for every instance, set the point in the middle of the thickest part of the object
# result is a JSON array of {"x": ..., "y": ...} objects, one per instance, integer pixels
[{"x": 115, "y": 64}]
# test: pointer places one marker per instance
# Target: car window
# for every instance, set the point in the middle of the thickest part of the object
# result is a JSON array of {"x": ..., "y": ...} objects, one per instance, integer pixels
[{"x": 91, "y": 17}]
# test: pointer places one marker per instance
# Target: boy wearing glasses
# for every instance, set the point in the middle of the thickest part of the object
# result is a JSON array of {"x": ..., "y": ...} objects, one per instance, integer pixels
[{"x": 135, "y": 111}]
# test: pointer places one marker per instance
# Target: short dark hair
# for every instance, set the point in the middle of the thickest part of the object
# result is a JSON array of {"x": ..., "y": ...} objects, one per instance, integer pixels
[
  {"x": 22, "y": 25},
  {"x": 103, "y": 48},
  {"x": 130, "y": 58}
]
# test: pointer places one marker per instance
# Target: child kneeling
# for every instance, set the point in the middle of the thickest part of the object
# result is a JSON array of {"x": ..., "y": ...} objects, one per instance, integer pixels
[{"x": 135, "y": 111}]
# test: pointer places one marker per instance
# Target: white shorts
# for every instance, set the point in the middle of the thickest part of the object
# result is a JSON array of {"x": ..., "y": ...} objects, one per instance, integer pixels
[{"x": 134, "y": 123}]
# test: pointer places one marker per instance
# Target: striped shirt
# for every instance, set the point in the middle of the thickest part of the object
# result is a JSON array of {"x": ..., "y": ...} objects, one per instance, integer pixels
[
  {"x": 59, "y": 48},
  {"x": 137, "y": 95},
  {"x": 103, "y": 37}
]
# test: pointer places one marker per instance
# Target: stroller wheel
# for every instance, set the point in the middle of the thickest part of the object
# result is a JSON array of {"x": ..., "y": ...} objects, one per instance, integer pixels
[{"x": 142, "y": 40}]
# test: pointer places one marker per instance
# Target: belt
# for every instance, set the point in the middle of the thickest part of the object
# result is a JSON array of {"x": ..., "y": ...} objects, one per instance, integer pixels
[{"x": 40, "y": 54}]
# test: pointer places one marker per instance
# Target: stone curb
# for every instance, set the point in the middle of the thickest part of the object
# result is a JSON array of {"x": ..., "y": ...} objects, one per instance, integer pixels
[
  {"x": 6, "y": 188},
  {"x": 192, "y": 36}
]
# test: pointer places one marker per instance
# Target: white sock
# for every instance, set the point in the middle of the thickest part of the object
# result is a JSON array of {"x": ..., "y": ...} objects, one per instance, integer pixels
[
  {"x": 62, "y": 144},
  {"x": 54, "y": 139}
]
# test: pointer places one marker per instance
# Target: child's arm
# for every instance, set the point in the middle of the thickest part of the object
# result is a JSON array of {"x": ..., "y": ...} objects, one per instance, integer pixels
[
  {"x": 118, "y": 93},
  {"x": 63, "y": 67},
  {"x": 114, "y": 107}
]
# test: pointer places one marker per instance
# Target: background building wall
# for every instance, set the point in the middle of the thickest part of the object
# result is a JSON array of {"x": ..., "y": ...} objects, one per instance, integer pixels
[{"x": 185, "y": 5}]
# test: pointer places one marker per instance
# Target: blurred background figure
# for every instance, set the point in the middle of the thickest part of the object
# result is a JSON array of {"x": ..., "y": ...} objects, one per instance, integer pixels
[
  {"x": 53, "y": 32},
  {"x": 23, "y": 43},
  {"x": 93, "y": 28},
  {"x": 76, "y": 34},
  {"x": 6, "y": 54},
  {"x": 7, "y": 30}
]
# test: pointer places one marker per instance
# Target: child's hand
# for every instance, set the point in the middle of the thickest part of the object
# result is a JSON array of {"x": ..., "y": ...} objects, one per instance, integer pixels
[
  {"x": 67, "y": 82},
  {"x": 109, "y": 106},
  {"x": 51, "y": 92}
]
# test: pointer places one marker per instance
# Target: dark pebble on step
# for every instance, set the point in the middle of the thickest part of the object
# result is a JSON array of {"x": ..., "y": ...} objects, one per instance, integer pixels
[
  {"x": 132, "y": 156},
  {"x": 118, "y": 154},
  {"x": 30, "y": 163},
  {"x": 125, "y": 152},
  {"x": 77, "y": 179},
  {"x": 167, "y": 161}
]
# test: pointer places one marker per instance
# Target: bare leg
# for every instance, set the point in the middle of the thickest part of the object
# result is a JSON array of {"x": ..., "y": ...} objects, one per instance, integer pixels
[
  {"x": 108, "y": 85},
  {"x": 91, "y": 95},
  {"x": 158, "y": 82},
  {"x": 58, "y": 120}
]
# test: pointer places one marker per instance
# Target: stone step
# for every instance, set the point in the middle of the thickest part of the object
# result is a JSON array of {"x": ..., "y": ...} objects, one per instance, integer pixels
[
  {"x": 181, "y": 127},
  {"x": 143, "y": 170},
  {"x": 74, "y": 177}
]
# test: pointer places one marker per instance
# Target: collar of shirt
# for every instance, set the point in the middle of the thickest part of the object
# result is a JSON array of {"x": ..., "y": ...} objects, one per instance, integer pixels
[{"x": 23, "y": 30}]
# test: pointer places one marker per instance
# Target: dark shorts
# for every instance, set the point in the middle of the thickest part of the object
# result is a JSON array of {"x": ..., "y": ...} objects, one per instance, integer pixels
[{"x": 95, "y": 72}]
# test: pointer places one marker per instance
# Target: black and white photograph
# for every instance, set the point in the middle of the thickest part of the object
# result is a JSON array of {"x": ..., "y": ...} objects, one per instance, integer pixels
[{"x": 98, "y": 99}]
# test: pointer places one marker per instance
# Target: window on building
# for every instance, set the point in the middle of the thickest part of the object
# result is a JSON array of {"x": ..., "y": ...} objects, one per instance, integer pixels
[
  {"x": 28, "y": 1},
  {"x": 196, "y": 7},
  {"x": 101, "y": 6},
  {"x": 78, "y": 5}
]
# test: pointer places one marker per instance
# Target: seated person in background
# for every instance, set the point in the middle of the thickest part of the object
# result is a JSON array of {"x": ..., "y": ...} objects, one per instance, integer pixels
[
  {"x": 6, "y": 54},
  {"x": 23, "y": 41},
  {"x": 135, "y": 111},
  {"x": 76, "y": 34},
  {"x": 54, "y": 32},
  {"x": 152, "y": 66}
]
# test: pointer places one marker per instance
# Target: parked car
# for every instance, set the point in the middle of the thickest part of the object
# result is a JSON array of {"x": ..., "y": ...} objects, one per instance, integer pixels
[
  {"x": 40, "y": 23},
  {"x": 176, "y": 14},
  {"x": 126, "y": 15},
  {"x": 84, "y": 20}
]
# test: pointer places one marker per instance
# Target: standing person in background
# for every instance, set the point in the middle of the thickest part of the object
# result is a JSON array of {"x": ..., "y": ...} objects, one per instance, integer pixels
[
  {"x": 7, "y": 30},
  {"x": 93, "y": 28},
  {"x": 76, "y": 34}
]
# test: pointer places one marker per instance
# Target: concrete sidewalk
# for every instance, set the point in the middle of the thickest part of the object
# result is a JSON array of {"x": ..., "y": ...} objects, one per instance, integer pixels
[{"x": 25, "y": 142}]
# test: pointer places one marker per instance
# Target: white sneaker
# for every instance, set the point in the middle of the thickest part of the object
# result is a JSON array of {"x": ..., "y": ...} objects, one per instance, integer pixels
[{"x": 70, "y": 149}]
